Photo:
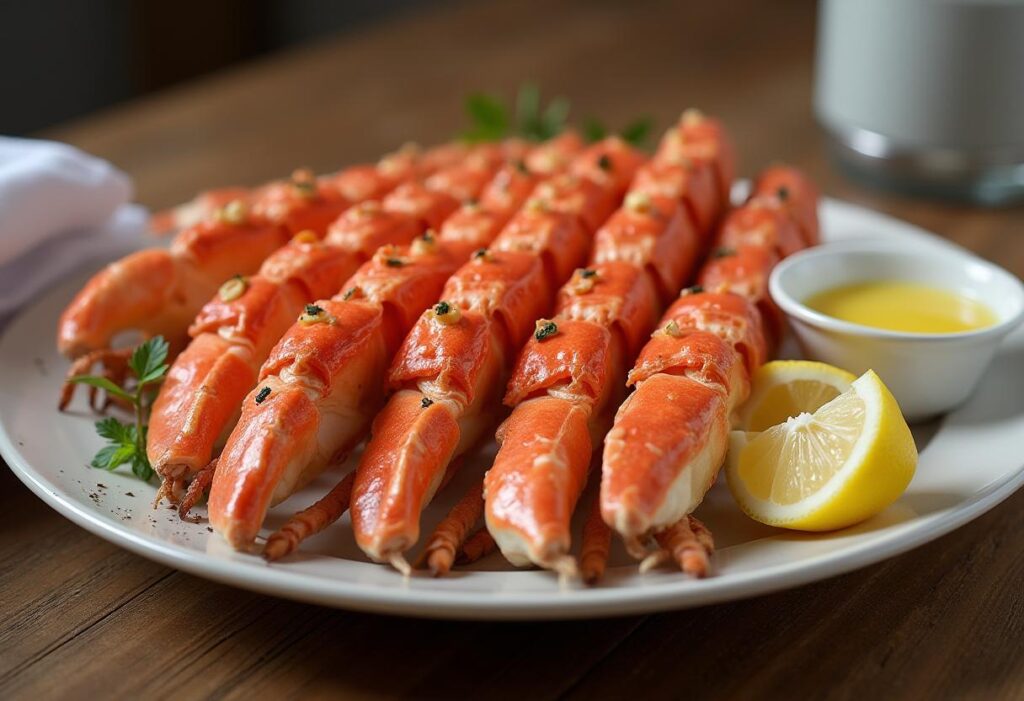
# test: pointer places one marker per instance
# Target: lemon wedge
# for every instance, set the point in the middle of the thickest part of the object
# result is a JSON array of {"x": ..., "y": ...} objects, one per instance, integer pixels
[
  {"x": 829, "y": 469},
  {"x": 785, "y": 388}
]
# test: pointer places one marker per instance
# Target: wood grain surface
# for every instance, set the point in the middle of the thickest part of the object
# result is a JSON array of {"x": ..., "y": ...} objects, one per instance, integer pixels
[{"x": 84, "y": 619}]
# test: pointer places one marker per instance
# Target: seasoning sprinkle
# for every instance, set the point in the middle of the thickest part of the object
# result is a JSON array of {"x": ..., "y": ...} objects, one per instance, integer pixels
[
  {"x": 604, "y": 162},
  {"x": 672, "y": 329},
  {"x": 692, "y": 290},
  {"x": 483, "y": 255},
  {"x": 315, "y": 314},
  {"x": 545, "y": 329},
  {"x": 305, "y": 236},
  {"x": 520, "y": 165},
  {"x": 350, "y": 293},
  {"x": 723, "y": 252},
  {"x": 313, "y": 309},
  {"x": 638, "y": 202},
  {"x": 583, "y": 281},
  {"x": 446, "y": 313},
  {"x": 262, "y": 395},
  {"x": 588, "y": 273},
  {"x": 393, "y": 262},
  {"x": 422, "y": 245},
  {"x": 426, "y": 401},
  {"x": 233, "y": 212},
  {"x": 783, "y": 193},
  {"x": 234, "y": 288}
]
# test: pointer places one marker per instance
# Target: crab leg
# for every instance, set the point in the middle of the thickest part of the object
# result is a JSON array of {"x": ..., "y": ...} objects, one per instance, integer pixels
[
  {"x": 234, "y": 333},
  {"x": 159, "y": 291},
  {"x": 324, "y": 380},
  {"x": 448, "y": 371},
  {"x": 567, "y": 383},
  {"x": 669, "y": 437}
]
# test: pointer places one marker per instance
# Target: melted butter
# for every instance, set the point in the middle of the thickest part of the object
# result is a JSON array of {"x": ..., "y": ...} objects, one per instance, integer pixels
[{"x": 903, "y": 306}]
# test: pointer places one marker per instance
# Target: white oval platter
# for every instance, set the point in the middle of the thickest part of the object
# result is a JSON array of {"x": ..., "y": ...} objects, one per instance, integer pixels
[{"x": 970, "y": 461}]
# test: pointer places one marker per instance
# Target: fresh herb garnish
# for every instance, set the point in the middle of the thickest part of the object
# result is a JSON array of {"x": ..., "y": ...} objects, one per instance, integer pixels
[
  {"x": 492, "y": 120},
  {"x": 127, "y": 441},
  {"x": 313, "y": 310},
  {"x": 635, "y": 133},
  {"x": 426, "y": 402},
  {"x": 587, "y": 273}
]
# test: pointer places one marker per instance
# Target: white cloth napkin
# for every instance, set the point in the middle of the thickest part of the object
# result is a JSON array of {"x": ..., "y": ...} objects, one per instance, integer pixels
[{"x": 59, "y": 206}]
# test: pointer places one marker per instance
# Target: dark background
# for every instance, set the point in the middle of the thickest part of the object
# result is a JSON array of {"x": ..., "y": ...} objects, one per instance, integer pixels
[{"x": 60, "y": 59}]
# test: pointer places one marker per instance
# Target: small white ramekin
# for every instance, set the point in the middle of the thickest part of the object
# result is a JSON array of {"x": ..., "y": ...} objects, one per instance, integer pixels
[{"x": 927, "y": 373}]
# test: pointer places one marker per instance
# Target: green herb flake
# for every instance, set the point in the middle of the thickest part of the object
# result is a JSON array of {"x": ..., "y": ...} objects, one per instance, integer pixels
[
  {"x": 604, "y": 162},
  {"x": 723, "y": 252},
  {"x": 314, "y": 310},
  {"x": 426, "y": 401},
  {"x": 262, "y": 395},
  {"x": 588, "y": 273},
  {"x": 545, "y": 329}
]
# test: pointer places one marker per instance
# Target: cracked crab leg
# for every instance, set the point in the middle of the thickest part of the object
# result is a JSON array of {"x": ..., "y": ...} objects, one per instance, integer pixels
[
  {"x": 234, "y": 333},
  {"x": 566, "y": 384},
  {"x": 324, "y": 380},
  {"x": 669, "y": 437},
  {"x": 449, "y": 370}
]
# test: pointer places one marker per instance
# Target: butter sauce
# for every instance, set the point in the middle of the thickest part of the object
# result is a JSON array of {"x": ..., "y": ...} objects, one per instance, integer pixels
[{"x": 903, "y": 306}]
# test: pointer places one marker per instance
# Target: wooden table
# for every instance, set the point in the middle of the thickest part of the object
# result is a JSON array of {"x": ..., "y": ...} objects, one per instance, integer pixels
[{"x": 84, "y": 619}]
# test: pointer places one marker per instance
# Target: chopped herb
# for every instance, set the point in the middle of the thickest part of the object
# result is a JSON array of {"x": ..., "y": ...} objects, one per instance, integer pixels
[
  {"x": 349, "y": 293},
  {"x": 234, "y": 288},
  {"x": 693, "y": 290},
  {"x": 783, "y": 193},
  {"x": 604, "y": 162},
  {"x": 426, "y": 401},
  {"x": 313, "y": 310},
  {"x": 520, "y": 165},
  {"x": 442, "y": 308},
  {"x": 588, "y": 273},
  {"x": 446, "y": 313},
  {"x": 545, "y": 329},
  {"x": 127, "y": 441},
  {"x": 723, "y": 252},
  {"x": 262, "y": 395},
  {"x": 393, "y": 262}
]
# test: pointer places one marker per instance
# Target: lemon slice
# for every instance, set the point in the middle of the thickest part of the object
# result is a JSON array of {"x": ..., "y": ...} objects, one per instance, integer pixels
[
  {"x": 840, "y": 465},
  {"x": 785, "y": 388}
]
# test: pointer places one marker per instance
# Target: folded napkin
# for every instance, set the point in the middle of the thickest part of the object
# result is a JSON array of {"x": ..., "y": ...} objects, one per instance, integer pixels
[{"x": 59, "y": 206}]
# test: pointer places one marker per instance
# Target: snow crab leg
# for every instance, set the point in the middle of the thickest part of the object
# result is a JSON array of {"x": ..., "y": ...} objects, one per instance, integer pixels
[
  {"x": 669, "y": 437},
  {"x": 324, "y": 380},
  {"x": 567, "y": 382},
  {"x": 448, "y": 371},
  {"x": 234, "y": 332}
]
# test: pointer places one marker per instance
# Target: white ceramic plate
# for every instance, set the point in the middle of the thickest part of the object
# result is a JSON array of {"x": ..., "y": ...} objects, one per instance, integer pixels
[{"x": 969, "y": 463}]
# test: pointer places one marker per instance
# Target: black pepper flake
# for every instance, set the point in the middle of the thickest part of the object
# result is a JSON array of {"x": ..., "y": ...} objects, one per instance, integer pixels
[
  {"x": 521, "y": 167},
  {"x": 426, "y": 401},
  {"x": 783, "y": 193},
  {"x": 480, "y": 253},
  {"x": 545, "y": 330},
  {"x": 394, "y": 262},
  {"x": 723, "y": 252},
  {"x": 588, "y": 273},
  {"x": 471, "y": 202},
  {"x": 442, "y": 308},
  {"x": 348, "y": 294},
  {"x": 262, "y": 395},
  {"x": 313, "y": 310},
  {"x": 428, "y": 236},
  {"x": 604, "y": 162},
  {"x": 693, "y": 290}
]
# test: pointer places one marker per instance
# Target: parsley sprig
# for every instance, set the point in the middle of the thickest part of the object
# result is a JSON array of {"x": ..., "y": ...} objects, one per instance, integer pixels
[
  {"x": 126, "y": 442},
  {"x": 530, "y": 118}
]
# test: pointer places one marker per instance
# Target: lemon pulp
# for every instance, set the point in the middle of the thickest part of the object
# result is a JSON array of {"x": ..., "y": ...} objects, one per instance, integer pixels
[{"x": 903, "y": 306}]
